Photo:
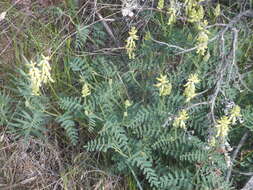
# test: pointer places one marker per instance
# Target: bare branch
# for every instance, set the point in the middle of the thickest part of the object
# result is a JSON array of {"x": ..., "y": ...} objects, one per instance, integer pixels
[
  {"x": 243, "y": 173},
  {"x": 249, "y": 185},
  {"x": 198, "y": 104},
  {"x": 168, "y": 45},
  {"x": 107, "y": 28},
  {"x": 235, "y": 153}
]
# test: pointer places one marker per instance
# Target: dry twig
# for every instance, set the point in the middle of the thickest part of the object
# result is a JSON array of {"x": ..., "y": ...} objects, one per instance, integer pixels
[{"x": 235, "y": 153}]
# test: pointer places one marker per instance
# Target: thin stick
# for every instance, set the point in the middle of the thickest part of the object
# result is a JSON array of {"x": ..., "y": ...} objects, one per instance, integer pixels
[
  {"x": 235, "y": 153},
  {"x": 249, "y": 185}
]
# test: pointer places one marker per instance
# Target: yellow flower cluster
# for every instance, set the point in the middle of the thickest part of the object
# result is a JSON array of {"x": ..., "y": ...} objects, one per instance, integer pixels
[
  {"x": 225, "y": 122},
  {"x": 223, "y": 127},
  {"x": 160, "y": 4},
  {"x": 35, "y": 80},
  {"x": 127, "y": 104},
  {"x": 217, "y": 10},
  {"x": 194, "y": 11},
  {"x": 45, "y": 70},
  {"x": 181, "y": 119},
  {"x": 39, "y": 74},
  {"x": 130, "y": 46},
  {"x": 172, "y": 11},
  {"x": 202, "y": 40},
  {"x": 86, "y": 90},
  {"x": 235, "y": 113},
  {"x": 190, "y": 89},
  {"x": 164, "y": 85}
]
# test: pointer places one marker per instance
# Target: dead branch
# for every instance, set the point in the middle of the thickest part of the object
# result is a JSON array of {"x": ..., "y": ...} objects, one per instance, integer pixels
[
  {"x": 235, "y": 153},
  {"x": 249, "y": 185}
]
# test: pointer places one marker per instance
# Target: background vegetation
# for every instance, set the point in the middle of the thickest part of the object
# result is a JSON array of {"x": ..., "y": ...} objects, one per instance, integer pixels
[{"x": 130, "y": 94}]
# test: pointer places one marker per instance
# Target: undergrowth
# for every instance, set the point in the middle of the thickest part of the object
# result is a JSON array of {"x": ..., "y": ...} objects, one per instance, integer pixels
[{"x": 159, "y": 92}]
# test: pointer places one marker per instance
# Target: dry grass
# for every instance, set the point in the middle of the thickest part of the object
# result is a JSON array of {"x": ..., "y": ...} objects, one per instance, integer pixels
[{"x": 37, "y": 165}]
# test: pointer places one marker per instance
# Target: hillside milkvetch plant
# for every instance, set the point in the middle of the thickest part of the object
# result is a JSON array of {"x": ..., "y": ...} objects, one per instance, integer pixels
[
  {"x": 131, "y": 46},
  {"x": 163, "y": 85},
  {"x": 181, "y": 119},
  {"x": 190, "y": 89},
  {"x": 136, "y": 117}
]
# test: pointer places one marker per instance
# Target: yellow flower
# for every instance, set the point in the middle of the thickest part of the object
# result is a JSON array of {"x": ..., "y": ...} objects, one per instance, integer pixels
[
  {"x": 193, "y": 79},
  {"x": 190, "y": 89},
  {"x": 172, "y": 11},
  {"x": 223, "y": 127},
  {"x": 160, "y": 4},
  {"x": 127, "y": 104},
  {"x": 202, "y": 42},
  {"x": 147, "y": 36},
  {"x": 162, "y": 79},
  {"x": 85, "y": 90},
  {"x": 234, "y": 114},
  {"x": 131, "y": 46},
  {"x": 201, "y": 26},
  {"x": 39, "y": 73},
  {"x": 212, "y": 141},
  {"x": 125, "y": 114},
  {"x": 195, "y": 14},
  {"x": 166, "y": 90},
  {"x": 164, "y": 85},
  {"x": 217, "y": 10},
  {"x": 194, "y": 11},
  {"x": 45, "y": 70},
  {"x": 206, "y": 57},
  {"x": 189, "y": 92},
  {"x": 181, "y": 119},
  {"x": 35, "y": 78}
]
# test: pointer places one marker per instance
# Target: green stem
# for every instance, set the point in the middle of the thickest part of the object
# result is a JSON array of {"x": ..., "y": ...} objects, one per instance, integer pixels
[{"x": 135, "y": 177}]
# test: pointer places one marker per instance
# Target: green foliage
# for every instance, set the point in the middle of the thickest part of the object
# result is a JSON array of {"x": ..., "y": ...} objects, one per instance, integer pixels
[
  {"x": 66, "y": 121},
  {"x": 29, "y": 124},
  {"x": 81, "y": 36},
  {"x": 248, "y": 116},
  {"x": 70, "y": 104}
]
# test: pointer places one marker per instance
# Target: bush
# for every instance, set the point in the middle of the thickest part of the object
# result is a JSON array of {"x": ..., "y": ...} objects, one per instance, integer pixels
[{"x": 163, "y": 92}]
